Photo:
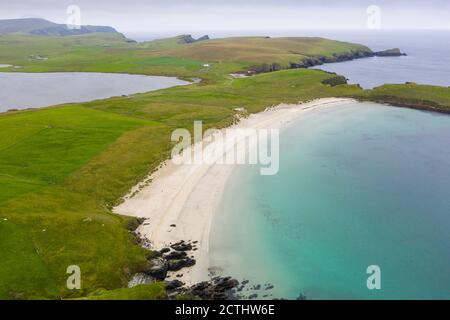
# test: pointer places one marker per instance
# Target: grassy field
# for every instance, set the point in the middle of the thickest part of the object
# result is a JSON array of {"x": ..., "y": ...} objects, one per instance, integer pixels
[
  {"x": 264, "y": 50},
  {"x": 140, "y": 292},
  {"x": 63, "y": 168},
  {"x": 113, "y": 53},
  {"x": 411, "y": 95}
]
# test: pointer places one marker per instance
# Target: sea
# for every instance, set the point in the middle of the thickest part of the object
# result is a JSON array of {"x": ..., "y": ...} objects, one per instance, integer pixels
[{"x": 360, "y": 186}]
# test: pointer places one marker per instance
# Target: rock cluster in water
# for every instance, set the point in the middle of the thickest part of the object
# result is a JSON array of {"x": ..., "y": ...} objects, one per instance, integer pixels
[{"x": 176, "y": 257}]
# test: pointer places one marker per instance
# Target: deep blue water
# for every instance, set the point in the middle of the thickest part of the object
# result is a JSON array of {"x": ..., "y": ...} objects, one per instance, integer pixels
[{"x": 360, "y": 184}]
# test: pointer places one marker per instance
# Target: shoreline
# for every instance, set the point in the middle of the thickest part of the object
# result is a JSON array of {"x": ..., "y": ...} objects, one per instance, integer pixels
[{"x": 180, "y": 202}]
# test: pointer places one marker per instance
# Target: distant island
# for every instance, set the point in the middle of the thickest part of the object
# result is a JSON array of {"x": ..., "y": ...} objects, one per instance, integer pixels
[{"x": 42, "y": 27}]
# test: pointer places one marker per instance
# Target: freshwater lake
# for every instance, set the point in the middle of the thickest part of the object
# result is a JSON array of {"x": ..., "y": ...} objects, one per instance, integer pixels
[
  {"x": 35, "y": 90},
  {"x": 359, "y": 184}
]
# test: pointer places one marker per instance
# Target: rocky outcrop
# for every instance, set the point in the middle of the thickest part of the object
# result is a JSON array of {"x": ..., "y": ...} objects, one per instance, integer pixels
[
  {"x": 217, "y": 289},
  {"x": 203, "y": 38},
  {"x": 389, "y": 53},
  {"x": 181, "y": 246},
  {"x": 187, "y": 38},
  {"x": 175, "y": 265},
  {"x": 173, "y": 285},
  {"x": 174, "y": 255},
  {"x": 159, "y": 269},
  {"x": 307, "y": 62}
]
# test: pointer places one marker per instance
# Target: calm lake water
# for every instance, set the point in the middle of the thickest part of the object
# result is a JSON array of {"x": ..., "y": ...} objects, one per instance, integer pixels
[
  {"x": 33, "y": 90},
  {"x": 359, "y": 185}
]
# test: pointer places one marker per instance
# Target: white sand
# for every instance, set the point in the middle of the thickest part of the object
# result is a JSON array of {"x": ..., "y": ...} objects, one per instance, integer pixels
[{"x": 188, "y": 195}]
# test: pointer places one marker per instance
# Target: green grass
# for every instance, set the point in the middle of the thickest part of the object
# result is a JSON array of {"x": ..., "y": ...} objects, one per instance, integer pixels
[
  {"x": 70, "y": 137},
  {"x": 39, "y": 151},
  {"x": 112, "y": 53},
  {"x": 257, "y": 50},
  {"x": 411, "y": 95},
  {"x": 140, "y": 292}
]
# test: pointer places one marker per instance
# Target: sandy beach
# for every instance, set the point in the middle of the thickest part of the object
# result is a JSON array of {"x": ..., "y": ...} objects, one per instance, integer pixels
[{"x": 181, "y": 200}]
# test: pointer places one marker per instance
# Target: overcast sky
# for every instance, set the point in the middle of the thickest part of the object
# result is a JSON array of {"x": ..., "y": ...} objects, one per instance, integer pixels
[{"x": 183, "y": 16}]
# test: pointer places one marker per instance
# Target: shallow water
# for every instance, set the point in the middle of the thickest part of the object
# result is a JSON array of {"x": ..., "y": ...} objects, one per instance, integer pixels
[
  {"x": 33, "y": 90},
  {"x": 360, "y": 184}
]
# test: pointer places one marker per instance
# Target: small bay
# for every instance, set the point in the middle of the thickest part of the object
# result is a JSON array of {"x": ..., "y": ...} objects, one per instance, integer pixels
[{"x": 359, "y": 184}]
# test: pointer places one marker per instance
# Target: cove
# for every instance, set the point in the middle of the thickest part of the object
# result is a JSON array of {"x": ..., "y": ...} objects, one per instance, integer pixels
[{"x": 360, "y": 184}]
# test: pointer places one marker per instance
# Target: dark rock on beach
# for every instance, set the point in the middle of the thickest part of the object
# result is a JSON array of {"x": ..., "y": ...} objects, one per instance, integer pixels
[
  {"x": 174, "y": 284},
  {"x": 159, "y": 269},
  {"x": 164, "y": 250},
  {"x": 175, "y": 255},
  {"x": 217, "y": 289},
  {"x": 181, "y": 246},
  {"x": 175, "y": 265},
  {"x": 301, "y": 296}
]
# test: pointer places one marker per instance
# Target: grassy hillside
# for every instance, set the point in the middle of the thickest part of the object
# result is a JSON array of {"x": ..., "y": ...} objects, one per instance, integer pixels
[
  {"x": 170, "y": 43},
  {"x": 264, "y": 50},
  {"x": 411, "y": 95},
  {"x": 103, "y": 52},
  {"x": 43, "y": 27}
]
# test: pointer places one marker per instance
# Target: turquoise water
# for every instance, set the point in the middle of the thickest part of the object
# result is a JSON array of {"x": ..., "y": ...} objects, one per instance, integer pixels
[{"x": 361, "y": 184}]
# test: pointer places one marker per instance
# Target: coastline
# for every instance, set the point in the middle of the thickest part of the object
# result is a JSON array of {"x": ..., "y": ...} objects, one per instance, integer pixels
[{"x": 181, "y": 200}]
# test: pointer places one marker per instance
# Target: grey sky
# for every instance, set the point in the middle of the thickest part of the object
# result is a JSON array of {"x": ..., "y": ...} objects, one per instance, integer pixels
[{"x": 181, "y": 16}]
